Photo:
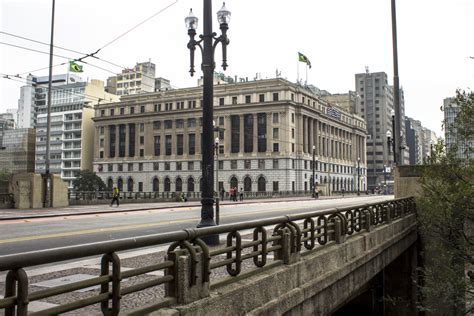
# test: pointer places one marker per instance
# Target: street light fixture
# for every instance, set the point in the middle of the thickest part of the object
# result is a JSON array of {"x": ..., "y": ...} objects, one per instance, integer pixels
[
  {"x": 358, "y": 176},
  {"x": 209, "y": 41}
]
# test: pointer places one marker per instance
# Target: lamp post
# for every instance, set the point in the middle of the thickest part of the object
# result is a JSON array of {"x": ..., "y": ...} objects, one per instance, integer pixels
[
  {"x": 216, "y": 146},
  {"x": 358, "y": 176},
  {"x": 396, "y": 90},
  {"x": 394, "y": 143},
  {"x": 314, "y": 166},
  {"x": 209, "y": 41},
  {"x": 385, "y": 178}
]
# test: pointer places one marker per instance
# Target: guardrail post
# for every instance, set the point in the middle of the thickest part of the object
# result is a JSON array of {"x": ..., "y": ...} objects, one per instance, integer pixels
[
  {"x": 183, "y": 288},
  {"x": 339, "y": 236},
  {"x": 368, "y": 221},
  {"x": 388, "y": 213},
  {"x": 284, "y": 253},
  {"x": 17, "y": 284}
]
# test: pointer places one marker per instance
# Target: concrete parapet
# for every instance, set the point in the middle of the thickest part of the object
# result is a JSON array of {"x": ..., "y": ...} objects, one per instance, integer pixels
[
  {"x": 407, "y": 181},
  {"x": 27, "y": 189},
  {"x": 59, "y": 192}
]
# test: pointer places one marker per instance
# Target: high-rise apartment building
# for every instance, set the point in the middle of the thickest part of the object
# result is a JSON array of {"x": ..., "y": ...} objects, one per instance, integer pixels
[
  {"x": 415, "y": 138},
  {"x": 72, "y": 131},
  {"x": 375, "y": 105},
  {"x": 151, "y": 142},
  {"x": 139, "y": 79},
  {"x": 34, "y": 95}
]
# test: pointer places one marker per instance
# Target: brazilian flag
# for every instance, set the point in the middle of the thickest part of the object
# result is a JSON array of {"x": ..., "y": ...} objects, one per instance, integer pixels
[
  {"x": 73, "y": 67},
  {"x": 302, "y": 58}
]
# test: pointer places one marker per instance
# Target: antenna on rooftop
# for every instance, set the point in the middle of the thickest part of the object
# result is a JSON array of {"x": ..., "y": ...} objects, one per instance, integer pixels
[{"x": 366, "y": 69}]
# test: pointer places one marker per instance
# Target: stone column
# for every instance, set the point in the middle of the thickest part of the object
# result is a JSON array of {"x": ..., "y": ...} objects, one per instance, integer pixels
[
  {"x": 305, "y": 134},
  {"x": 311, "y": 135}
]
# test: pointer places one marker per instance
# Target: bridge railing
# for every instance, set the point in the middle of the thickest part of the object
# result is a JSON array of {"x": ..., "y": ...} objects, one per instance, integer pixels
[{"x": 189, "y": 262}]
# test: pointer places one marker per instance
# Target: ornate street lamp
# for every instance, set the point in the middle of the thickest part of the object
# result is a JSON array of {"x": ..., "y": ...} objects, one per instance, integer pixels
[
  {"x": 209, "y": 43},
  {"x": 358, "y": 176}
]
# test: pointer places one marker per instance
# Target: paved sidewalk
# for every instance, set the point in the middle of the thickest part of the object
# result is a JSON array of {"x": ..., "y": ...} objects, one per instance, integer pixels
[{"x": 12, "y": 214}]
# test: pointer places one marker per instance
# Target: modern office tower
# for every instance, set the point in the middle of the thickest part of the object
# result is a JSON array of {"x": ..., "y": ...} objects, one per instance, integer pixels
[
  {"x": 136, "y": 80},
  {"x": 415, "y": 140},
  {"x": 267, "y": 130},
  {"x": 72, "y": 131},
  {"x": 375, "y": 105},
  {"x": 17, "y": 150},
  {"x": 451, "y": 110}
]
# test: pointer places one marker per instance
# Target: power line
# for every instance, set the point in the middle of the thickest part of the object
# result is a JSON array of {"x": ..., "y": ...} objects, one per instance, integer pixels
[{"x": 34, "y": 50}]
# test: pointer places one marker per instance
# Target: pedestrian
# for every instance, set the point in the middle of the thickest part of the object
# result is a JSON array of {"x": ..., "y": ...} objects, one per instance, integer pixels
[
  {"x": 235, "y": 194},
  {"x": 231, "y": 193},
  {"x": 241, "y": 195},
  {"x": 343, "y": 191},
  {"x": 115, "y": 196},
  {"x": 222, "y": 194}
]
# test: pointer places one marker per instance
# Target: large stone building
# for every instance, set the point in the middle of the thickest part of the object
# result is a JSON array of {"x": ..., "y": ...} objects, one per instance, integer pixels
[
  {"x": 136, "y": 80},
  {"x": 151, "y": 142},
  {"x": 375, "y": 104},
  {"x": 72, "y": 131}
]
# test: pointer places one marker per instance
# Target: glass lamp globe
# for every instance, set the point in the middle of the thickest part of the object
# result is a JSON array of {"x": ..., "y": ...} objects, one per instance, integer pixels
[
  {"x": 223, "y": 15},
  {"x": 191, "y": 21},
  {"x": 389, "y": 134}
]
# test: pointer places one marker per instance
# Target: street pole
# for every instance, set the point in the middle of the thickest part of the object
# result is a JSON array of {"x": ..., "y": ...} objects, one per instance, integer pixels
[
  {"x": 358, "y": 176},
  {"x": 47, "y": 182},
  {"x": 217, "y": 180},
  {"x": 385, "y": 178},
  {"x": 314, "y": 166},
  {"x": 209, "y": 43},
  {"x": 396, "y": 89},
  {"x": 394, "y": 146}
]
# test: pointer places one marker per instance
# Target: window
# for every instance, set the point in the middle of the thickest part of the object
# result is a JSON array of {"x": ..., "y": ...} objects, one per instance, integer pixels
[
  {"x": 276, "y": 147},
  {"x": 168, "y": 145},
  {"x": 221, "y": 101},
  {"x": 101, "y": 142},
  {"x": 235, "y": 133},
  {"x": 293, "y": 147},
  {"x": 167, "y": 165},
  {"x": 120, "y": 167},
  {"x": 179, "y": 123},
  {"x": 192, "y": 143},
  {"x": 247, "y": 164},
  {"x": 122, "y": 111},
  {"x": 192, "y": 122},
  {"x": 234, "y": 100},
  {"x": 167, "y": 185},
  {"x": 102, "y": 129},
  {"x": 190, "y": 165},
  {"x": 275, "y": 186},
  {"x": 132, "y": 109},
  {"x": 179, "y": 165},
  {"x": 190, "y": 184},
  {"x": 157, "y": 125},
  {"x": 261, "y": 184},
  {"x": 142, "y": 109},
  {"x": 247, "y": 99},
  {"x": 179, "y": 144},
  {"x": 275, "y": 96},
  {"x": 110, "y": 167},
  {"x": 157, "y": 107},
  {"x": 233, "y": 164},
  {"x": 156, "y": 166},
  {"x": 275, "y": 133},
  {"x": 275, "y": 163},
  {"x": 293, "y": 133},
  {"x": 142, "y": 127},
  {"x": 131, "y": 142},
  {"x": 248, "y": 133},
  {"x": 221, "y": 121},
  {"x": 140, "y": 166},
  {"x": 247, "y": 184},
  {"x": 130, "y": 167},
  {"x": 221, "y": 149},
  {"x": 221, "y": 164},
  {"x": 102, "y": 112},
  {"x": 262, "y": 132},
  {"x": 142, "y": 140},
  {"x": 261, "y": 164},
  {"x": 101, "y": 154},
  {"x": 261, "y": 98},
  {"x": 156, "y": 143},
  {"x": 276, "y": 118},
  {"x": 111, "y": 112},
  {"x": 142, "y": 152},
  {"x": 168, "y": 124},
  {"x": 292, "y": 117}
]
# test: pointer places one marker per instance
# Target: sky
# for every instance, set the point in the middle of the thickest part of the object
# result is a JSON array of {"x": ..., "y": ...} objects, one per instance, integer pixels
[{"x": 340, "y": 38}]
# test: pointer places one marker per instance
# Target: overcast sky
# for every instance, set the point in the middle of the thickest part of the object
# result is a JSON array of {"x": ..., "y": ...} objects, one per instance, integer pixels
[{"x": 340, "y": 37}]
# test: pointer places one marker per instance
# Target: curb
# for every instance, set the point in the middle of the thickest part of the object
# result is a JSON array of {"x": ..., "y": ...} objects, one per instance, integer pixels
[{"x": 144, "y": 209}]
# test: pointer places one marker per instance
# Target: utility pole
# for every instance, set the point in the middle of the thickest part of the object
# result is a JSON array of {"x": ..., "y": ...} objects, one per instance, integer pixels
[{"x": 397, "y": 136}]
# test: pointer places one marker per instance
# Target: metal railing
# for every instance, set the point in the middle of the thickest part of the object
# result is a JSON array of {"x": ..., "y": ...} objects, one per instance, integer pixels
[{"x": 284, "y": 238}]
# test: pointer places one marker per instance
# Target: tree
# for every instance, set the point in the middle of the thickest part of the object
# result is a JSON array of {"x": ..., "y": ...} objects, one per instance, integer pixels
[
  {"x": 88, "y": 181},
  {"x": 446, "y": 217}
]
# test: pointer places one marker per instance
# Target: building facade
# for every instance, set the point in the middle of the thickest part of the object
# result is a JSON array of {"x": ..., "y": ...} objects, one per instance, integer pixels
[
  {"x": 72, "y": 131},
  {"x": 415, "y": 137},
  {"x": 375, "y": 104},
  {"x": 267, "y": 129},
  {"x": 451, "y": 110},
  {"x": 136, "y": 80},
  {"x": 17, "y": 152}
]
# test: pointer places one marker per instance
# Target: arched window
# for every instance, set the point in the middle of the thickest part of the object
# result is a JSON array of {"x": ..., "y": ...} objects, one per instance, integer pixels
[
  {"x": 190, "y": 184},
  {"x": 234, "y": 182},
  {"x": 179, "y": 184},
  {"x": 120, "y": 184},
  {"x": 247, "y": 184},
  {"x": 156, "y": 185},
  {"x": 167, "y": 184},
  {"x": 110, "y": 184},
  {"x": 261, "y": 184},
  {"x": 130, "y": 185}
]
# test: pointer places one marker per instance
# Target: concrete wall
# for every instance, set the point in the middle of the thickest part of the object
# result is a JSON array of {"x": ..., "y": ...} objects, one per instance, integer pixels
[
  {"x": 407, "y": 181},
  {"x": 318, "y": 284},
  {"x": 27, "y": 189}
]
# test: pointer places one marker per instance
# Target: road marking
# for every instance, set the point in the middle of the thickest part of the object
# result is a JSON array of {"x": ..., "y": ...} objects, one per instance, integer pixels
[{"x": 136, "y": 226}]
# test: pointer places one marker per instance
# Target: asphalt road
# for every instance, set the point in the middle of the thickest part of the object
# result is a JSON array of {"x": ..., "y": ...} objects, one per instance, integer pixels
[{"x": 18, "y": 236}]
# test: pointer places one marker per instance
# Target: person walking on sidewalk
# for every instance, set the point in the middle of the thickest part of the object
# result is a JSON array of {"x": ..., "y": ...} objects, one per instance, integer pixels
[
  {"x": 241, "y": 194},
  {"x": 115, "y": 197},
  {"x": 222, "y": 194}
]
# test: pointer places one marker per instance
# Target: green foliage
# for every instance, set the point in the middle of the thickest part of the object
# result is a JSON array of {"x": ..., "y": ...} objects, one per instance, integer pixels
[
  {"x": 88, "y": 181},
  {"x": 4, "y": 175},
  {"x": 446, "y": 218}
]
